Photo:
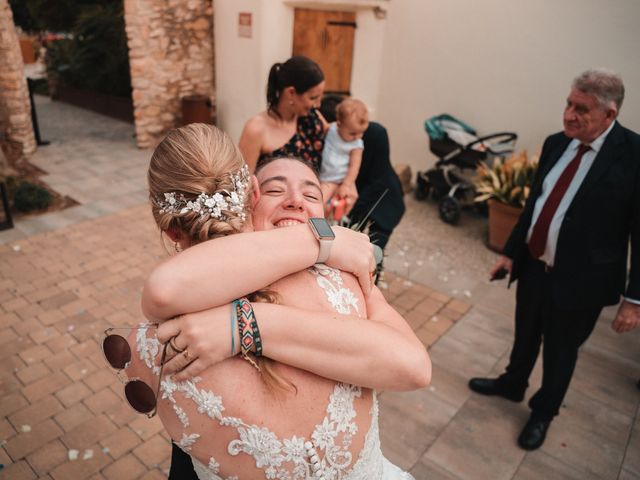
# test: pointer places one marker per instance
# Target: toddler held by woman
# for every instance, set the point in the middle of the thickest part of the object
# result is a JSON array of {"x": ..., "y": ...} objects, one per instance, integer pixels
[{"x": 342, "y": 156}]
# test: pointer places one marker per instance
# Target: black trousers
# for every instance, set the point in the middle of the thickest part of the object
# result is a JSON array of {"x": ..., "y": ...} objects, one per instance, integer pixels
[
  {"x": 181, "y": 465},
  {"x": 539, "y": 321}
]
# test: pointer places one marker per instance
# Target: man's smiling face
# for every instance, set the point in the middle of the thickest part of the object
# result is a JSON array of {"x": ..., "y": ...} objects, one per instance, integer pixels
[{"x": 585, "y": 118}]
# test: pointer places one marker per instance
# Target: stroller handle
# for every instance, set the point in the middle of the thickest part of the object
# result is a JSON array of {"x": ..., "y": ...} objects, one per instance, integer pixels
[{"x": 501, "y": 137}]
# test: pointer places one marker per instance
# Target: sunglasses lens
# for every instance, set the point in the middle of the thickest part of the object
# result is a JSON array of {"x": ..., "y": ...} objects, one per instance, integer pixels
[
  {"x": 140, "y": 396},
  {"x": 117, "y": 351}
]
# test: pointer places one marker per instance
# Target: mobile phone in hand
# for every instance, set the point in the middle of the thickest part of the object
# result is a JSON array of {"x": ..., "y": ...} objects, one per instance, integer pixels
[{"x": 499, "y": 274}]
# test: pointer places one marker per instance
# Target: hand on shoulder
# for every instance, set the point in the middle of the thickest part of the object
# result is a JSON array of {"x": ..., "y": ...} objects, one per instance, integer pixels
[{"x": 352, "y": 252}]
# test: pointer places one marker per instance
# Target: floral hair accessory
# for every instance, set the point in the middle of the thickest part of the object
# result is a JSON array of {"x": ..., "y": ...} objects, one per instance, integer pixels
[{"x": 221, "y": 205}]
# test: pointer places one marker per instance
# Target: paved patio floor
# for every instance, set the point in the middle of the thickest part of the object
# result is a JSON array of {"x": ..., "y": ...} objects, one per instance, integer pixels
[{"x": 66, "y": 276}]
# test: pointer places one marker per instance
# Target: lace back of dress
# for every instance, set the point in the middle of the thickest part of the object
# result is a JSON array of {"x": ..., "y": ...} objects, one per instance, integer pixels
[{"x": 324, "y": 454}]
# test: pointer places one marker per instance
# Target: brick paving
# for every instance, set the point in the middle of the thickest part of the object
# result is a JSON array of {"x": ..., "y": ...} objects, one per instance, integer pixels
[
  {"x": 65, "y": 277},
  {"x": 58, "y": 386}
]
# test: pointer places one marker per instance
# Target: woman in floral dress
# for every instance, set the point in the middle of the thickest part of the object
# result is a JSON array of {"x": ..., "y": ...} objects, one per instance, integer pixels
[{"x": 292, "y": 125}]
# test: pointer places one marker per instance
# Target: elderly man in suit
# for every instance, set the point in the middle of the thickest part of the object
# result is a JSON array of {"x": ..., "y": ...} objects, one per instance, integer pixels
[{"x": 569, "y": 249}]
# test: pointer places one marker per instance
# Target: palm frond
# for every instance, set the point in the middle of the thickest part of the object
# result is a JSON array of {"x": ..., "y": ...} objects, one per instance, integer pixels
[{"x": 507, "y": 180}]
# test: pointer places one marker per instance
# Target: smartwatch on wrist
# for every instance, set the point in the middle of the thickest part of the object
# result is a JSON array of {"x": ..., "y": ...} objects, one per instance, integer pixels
[{"x": 325, "y": 236}]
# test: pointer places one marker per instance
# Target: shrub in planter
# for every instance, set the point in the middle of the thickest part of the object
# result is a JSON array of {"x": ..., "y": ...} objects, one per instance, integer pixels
[
  {"x": 28, "y": 197},
  {"x": 506, "y": 185},
  {"x": 507, "y": 181}
]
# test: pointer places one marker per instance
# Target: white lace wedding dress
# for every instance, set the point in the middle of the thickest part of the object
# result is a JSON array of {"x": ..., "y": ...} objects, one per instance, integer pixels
[{"x": 323, "y": 455}]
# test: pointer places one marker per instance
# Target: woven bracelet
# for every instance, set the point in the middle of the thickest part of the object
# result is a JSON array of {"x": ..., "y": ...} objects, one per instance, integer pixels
[{"x": 248, "y": 327}]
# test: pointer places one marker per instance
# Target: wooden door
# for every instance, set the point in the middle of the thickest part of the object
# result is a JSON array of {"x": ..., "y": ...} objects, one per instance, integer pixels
[{"x": 327, "y": 38}]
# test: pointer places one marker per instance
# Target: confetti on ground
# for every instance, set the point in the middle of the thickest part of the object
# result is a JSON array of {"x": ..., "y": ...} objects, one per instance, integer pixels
[
  {"x": 25, "y": 428},
  {"x": 454, "y": 292},
  {"x": 408, "y": 283},
  {"x": 432, "y": 388},
  {"x": 466, "y": 293},
  {"x": 16, "y": 248},
  {"x": 73, "y": 454},
  {"x": 434, "y": 319},
  {"x": 87, "y": 454},
  {"x": 105, "y": 450}
]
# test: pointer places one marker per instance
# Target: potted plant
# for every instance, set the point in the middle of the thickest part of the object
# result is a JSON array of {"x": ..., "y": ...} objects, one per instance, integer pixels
[{"x": 505, "y": 185}]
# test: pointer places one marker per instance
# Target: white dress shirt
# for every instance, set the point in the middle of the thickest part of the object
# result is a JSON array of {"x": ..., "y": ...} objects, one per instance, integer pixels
[{"x": 549, "y": 182}]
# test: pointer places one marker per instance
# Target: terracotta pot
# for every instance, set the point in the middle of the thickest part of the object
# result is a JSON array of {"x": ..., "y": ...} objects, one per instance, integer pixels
[
  {"x": 502, "y": 219},
  {"x": 28, "y": 52}
]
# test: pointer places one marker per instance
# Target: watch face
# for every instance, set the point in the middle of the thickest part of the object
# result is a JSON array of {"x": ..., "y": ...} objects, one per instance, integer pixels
[{"x": 322, "y": 227}]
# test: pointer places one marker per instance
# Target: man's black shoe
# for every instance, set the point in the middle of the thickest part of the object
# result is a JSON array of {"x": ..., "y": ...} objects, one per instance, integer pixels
[
  {"x": 490, "y": 386},
  {"x": 533, "y": 434}
]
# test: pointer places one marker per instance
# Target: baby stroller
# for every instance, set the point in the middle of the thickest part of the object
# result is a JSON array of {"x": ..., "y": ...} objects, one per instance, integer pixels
[{"x": 459, "y": 152}]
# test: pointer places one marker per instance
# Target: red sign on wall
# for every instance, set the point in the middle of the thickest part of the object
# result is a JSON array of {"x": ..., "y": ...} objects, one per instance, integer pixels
[{"x": 244, "y": 25}]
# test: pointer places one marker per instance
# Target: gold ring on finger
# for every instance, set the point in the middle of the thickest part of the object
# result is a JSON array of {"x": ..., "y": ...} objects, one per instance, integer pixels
[{"x": 172, "y": 344}]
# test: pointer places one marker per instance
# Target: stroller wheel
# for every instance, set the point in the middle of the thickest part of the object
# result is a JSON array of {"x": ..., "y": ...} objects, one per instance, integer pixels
[
  {"x": 423, "y": 187},
  {"x": 449, "y": 209}
]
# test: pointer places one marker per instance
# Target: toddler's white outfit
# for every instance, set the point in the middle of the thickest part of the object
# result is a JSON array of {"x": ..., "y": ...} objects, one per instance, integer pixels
[{"x": 335, "y": 156}]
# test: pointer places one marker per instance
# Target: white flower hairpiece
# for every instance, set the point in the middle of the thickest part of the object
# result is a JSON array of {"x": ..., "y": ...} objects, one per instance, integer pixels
[{"x": 220, "y": 205}]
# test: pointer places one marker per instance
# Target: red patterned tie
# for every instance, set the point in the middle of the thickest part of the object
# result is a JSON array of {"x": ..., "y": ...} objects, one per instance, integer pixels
[{"x": 538, "y": 240}]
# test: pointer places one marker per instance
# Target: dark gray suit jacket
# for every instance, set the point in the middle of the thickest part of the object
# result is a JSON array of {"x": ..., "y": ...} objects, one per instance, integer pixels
[{"x": 590, "y": 267}]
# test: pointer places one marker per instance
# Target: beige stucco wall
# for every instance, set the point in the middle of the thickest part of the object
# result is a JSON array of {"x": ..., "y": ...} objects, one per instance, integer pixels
[
  {"x": 499, "y": 65},
  {"x": 496, "y": 64},
  {"x": 242, "y": 64}
]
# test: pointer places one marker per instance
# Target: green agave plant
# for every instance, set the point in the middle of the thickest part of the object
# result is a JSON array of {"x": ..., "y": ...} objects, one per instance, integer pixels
[{"x": 507, "y": 181}]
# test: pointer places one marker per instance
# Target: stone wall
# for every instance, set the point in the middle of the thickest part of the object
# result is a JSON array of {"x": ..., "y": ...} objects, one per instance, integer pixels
[
  {"x": 170, "y": 56},
  {"x": 15, "y": 107}
]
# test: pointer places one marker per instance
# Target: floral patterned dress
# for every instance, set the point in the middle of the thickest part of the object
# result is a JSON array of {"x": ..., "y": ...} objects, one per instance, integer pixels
[
  {"x": 306, "y": 143},
  {"x": 321, "y": 454}
]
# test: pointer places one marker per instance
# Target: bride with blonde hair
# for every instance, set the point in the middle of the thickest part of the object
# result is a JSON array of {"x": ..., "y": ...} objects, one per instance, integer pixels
[{"x": 274, "y": 373}]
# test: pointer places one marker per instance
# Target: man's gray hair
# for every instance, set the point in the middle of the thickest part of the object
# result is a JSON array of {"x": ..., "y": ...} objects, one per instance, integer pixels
[{"x": 603, "y": 84}]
